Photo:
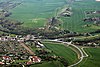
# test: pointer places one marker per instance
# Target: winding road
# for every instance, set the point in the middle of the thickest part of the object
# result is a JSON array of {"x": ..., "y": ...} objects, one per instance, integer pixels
[{"x": 82, "y": 52}]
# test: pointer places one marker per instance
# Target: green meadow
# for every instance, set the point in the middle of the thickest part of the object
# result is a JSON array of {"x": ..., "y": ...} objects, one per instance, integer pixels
[
  {"x": 48, "y": 64},
  {"x": 75, "y": 22},
  {"x": 34, "y": 13},
  {"x": 63, "y": 51},
  {"x": 93, "y": 60}
]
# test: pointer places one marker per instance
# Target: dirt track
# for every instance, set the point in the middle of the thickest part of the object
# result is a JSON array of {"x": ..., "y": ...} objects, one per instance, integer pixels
[{"x": 27, "y": 48}]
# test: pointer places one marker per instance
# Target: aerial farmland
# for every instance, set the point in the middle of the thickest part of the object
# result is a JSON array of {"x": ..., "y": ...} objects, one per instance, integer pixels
[{"x": 49, "y": 33}]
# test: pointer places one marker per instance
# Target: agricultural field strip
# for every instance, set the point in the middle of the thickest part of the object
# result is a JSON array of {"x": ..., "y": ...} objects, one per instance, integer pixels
[
  {"x": 35, "y": 12},
  {"x": 80, "y": 50}
]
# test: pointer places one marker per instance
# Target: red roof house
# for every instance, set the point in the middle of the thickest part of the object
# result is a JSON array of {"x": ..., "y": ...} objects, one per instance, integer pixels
[
  {"x": 1, "y": 63},
  {"x": 6, "y": 58},
  {"x": 35, "y": 59}
]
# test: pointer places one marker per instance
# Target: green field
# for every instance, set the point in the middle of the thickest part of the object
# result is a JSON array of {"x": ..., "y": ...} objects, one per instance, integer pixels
[
  {"x": 75, "y": 22},
  {"x": 93, "y": 60},
  {"x": 35, "y": 12},
  {"x": 61, "y": 50},
  {"x": 49, "y": 64}
]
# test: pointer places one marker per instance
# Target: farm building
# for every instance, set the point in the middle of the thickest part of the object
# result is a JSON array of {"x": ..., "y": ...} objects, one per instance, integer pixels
[{"x": 39, "y": 45}]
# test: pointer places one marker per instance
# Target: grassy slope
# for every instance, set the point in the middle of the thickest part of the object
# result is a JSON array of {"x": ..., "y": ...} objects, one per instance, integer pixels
[
  {"x": 93, "y": 60},
  {"x": 32, "y": 11},
  {"x": 49, "y": 64},
  {"x": 63, "y": 51},
  {"x": 35, "y": 9},
  {"x": 75, "y": 22}
]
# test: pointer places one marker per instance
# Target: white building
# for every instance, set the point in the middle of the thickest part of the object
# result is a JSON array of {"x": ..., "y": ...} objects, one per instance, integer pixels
[{"x": 34, "y": 59}]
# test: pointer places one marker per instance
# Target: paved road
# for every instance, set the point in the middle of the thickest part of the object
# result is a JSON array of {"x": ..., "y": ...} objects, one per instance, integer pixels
[
  {"x": 80, "y": 50},
  {"x": 27, "y": 48},
  {"x": 86, "y": 55}
]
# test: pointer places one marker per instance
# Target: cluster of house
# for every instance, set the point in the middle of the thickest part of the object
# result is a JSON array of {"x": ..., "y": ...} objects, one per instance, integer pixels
[
  {"x": 94, "y": 19},
  {"x": 38, "y": 44},
  {"x": 33, "y": 59},
  {"x": 4, "y": 13},
  {"x": 92, "y": 44},
  {"x": 8, "y": 38},
  {"x": 66, "y": 12},
  {"x": 52, "y": 22},
  {"x": 97, "y": 19},
  {"x": 14, "y": 48},
  {"x": 9, "y": 4},
  {"x": 8, "y": 60},
  {"x": 29, "y": 37},
  {"x": 17, "y": 38},
  {"x": 92, "y": 12}
]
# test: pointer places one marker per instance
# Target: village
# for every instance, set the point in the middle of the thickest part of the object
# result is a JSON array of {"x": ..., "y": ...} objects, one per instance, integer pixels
[
  {"x": 6, "y": 5},
  {"x": 92, "y": 16},
  {"x": 22, "y": 46},
  {"x": 11, "y": 49},
  {"x": 19, "y": 48}
]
